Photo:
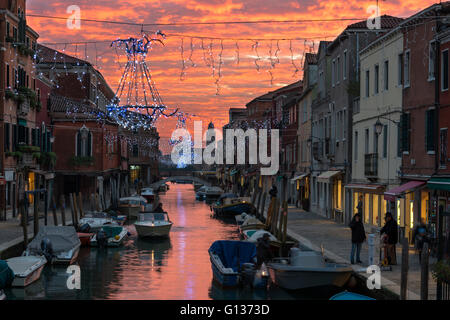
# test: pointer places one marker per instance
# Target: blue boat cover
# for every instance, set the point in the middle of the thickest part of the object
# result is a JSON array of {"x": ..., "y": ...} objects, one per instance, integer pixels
[
  {"x": 233, "y": 253},
  {"x": 6, "y": 275},
  {"x": 346, "y": 295}
]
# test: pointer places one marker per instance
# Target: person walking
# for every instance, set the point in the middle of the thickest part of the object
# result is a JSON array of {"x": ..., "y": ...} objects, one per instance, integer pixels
[
  {"x": 420, "y": 236},
  {"x": 389, "y": 234},
  {"x": 358, "y": 237}
]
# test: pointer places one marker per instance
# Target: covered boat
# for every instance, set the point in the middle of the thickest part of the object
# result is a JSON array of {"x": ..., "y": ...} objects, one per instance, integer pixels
[
  {"x": 27, "y": 269},
  {"x": 109, "y": 236},
  {"x": 213, "y": 193},
  {"x": 346, "y": 295},
  {"x": 229, "y": 205},
  {"x": 227, "y": 260},
  {"x": 6, "y": 275},
  {"x": 153, "y": 224},
  {"x": 130, "y": 206},
  {"x": 95, "y": 223},
  {"x": 307, "y": 269},
  {"x": 201, "y": 193},
  {"x": 59, "y": 244}
]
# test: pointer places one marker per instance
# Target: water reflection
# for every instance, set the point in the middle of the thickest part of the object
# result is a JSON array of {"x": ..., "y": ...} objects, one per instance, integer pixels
[{"x": 174, "y": 268}]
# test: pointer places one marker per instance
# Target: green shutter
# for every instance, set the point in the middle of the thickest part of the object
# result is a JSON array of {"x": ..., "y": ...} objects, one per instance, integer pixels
[
  {"x": 429, "y": 127},
  {"x": 14, "y": 142}
]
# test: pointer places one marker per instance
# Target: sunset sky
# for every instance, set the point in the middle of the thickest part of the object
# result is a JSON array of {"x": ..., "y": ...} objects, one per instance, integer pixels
[{"x": 195, "y": 92}]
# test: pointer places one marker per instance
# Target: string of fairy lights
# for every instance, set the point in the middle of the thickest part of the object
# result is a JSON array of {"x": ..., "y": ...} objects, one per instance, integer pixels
[{"x": 138, "y": 103}]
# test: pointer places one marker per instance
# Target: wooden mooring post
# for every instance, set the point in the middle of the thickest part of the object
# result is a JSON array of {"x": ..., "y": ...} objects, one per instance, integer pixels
[
  {"x": 72, "y": 208},
  {"x": 424, "y": 272},
  {"x": 262, "y": 206},
  {"x": 62, "y": 203},
  {"x": 24, "y": 219},
  {"x": 80, "y": 204},
  {"x": 404, "y": 270},
  {"x": 36, "y": 213},
  {"x": 55, "y": 217},
  {"x": 75, "y": 208}
]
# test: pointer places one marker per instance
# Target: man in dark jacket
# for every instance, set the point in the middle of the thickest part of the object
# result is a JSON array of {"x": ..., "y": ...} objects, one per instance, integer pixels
[
  {"x": 263, "y": 253},
  {"x": 273, "y": 191},
  {"x": 358, "y": 237},
  {"x": 389, "y": 232}
]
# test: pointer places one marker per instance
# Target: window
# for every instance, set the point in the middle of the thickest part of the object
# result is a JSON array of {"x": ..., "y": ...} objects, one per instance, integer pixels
[
  {"x": 405, "y": 125},
  {"x": 135, "y": 150},
  {"x": 400, "y": 69},
  {"x": 444, "y": 70},
  {"x": 83, "y": 142},
  {"x": 367, "y": 83},
  {"x": 366, "y": 142},
  {"x": 8, "y": 27},
  {"x": 429, "y": 130},
  {"x": 7, "y": 137},
  {"x": 8, "y": 81},
  {"x": 375, "y": 142},
  {"x": 407, "y": 68},
  {"x": 338, "y": 67},
  {"x": 356, "y": 145},
  {"x": 344, "y": 71},
  {"x": 443, "y": 147},
  {"x": 431, "y": 59},
  {"x": 15, "y": 34},
  {"x": 333, "y": 73},
  {"x": 386, "y": 75},
  {"x": 376, "y": 79},
  {"x": 385, "y": 140}
]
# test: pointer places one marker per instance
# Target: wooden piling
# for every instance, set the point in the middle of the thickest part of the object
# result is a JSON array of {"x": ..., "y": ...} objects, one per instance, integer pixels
[
  {"x": 274, "y": 219},
  {"x": 62, "y": 203},
  {"x": 404, "y": 270},
  {"x": 72, "y": 208},
  {"x": 75, "y": 208},
  {"x": 55, "y": 217},
  {"x": 262, "y": 205},
  {"x": 424, "y": 272},
  {"x": 36, "y": 214},
  {"x": 92, "y": 202},
  {"x": 24, "y": 219},
  {"x": 285, "y": 216},
  {"x": 97, "y": 203},
  {"x": 80, "y": 204},
  {"x": 253, "y": 198},
  {"x": 269, "y": 213}
]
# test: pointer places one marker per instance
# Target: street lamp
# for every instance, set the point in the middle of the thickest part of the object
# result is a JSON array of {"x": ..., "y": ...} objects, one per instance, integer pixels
[{"x": 378, "y": 127}]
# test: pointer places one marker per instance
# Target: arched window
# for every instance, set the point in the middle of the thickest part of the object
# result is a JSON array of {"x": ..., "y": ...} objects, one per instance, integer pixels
[{"x": 84, "y": 142}]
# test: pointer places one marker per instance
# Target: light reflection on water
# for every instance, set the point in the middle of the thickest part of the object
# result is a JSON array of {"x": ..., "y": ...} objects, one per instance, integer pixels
[{"x": 177, "y": 268}]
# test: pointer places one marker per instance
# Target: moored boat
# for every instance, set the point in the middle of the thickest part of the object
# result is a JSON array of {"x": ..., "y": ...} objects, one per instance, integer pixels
[
  {"x": 94, "y": 223},
  {"x": 277, "y": 247},
  {"x": 153, "y": 224},
  {"x": 201, "y": 193},
  {"x": 213, "y": 193},
  {"x": 109, "y": 236},
  {"x": 85, "y": 238},
  {"x": 346, "y": 295},
  {"x": 307, "y": 269},
  {"x": 229, "y": 205},
  {"x": 2, "y": 295},
  {"x": 6, "y": 275},
  {"x": 27, "y": 269},
  {"x": 227, "y": 259},
  {"x": 59, "y": 244},
  {"x": 130, "y": 206}
]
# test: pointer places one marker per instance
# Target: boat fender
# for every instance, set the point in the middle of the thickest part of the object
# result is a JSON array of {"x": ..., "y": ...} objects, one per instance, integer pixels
[
  {"x": 47, "y": 249},
  {"x": 85, "y": 228}
]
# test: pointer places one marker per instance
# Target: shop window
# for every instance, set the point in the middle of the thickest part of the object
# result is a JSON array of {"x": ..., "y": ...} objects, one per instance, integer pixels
[
  {"x": 375, "y": 209},
  {"x": 424, "y": 203},
  {"x": 366, "y": 208}
]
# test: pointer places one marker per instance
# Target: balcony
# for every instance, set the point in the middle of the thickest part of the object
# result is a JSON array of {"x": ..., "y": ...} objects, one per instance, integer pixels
[{"x": 371, "y": 165}]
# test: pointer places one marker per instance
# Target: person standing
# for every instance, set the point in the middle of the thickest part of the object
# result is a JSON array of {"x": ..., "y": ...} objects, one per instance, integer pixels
[
  {"x": 420, "y": 236},
  {"x": 359, "y": 207},
  {"x": 389, "y": 234},
  {"x": 358, "y": 237},
  {"x": 273, "y": 191}
]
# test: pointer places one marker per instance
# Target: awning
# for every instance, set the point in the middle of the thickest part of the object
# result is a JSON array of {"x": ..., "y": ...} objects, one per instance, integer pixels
[
  {"x": 439, "y": 184},
  {"x": 390, "y": 195},
  {"x": 299, "y": 177},
  {"x": 363, "y": 186},
  {"x": 327, "y": 175}
]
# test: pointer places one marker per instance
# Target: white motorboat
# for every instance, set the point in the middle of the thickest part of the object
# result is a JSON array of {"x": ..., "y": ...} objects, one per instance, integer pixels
[
  {"x": 2, "y": 295},
  {"x": 307, "y": 269},
  {"x": 152, "y": 198},
  {"x": 153, "y": 224},
  {"x": 59, "y": 244},
  {"x": 95, "y": 223},
  {"x": 109, "y": 236},
  {"x": 213, "y": 192},
  {"x": 130, "y": 206},
  {"x": 201, "y": 193},
  {"x": 27, "y": 269}
]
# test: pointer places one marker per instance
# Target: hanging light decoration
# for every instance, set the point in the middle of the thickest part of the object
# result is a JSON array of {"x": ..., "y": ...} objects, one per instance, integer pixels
[{"x": 137, "y": 103}]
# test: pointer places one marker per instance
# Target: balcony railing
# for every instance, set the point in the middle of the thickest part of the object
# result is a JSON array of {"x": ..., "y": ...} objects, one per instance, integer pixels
[{"x": 371, "y": 165}]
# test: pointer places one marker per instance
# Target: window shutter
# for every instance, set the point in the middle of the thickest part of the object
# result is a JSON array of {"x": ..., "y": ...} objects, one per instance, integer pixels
[
  {"x": 78, "y": 144},
  {"x": 14, "y": 143},
  {"x": 399, "y": 137},
  {"x": 429, "y": 125},
  {"x": 89, "y": 145},
  {"x": 33, "y": 136},
  {"x": 27, "y": 135}
]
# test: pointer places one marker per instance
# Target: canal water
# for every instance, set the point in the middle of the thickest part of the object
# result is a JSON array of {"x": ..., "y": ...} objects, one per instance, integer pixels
[{"x": 177, "y": 268}]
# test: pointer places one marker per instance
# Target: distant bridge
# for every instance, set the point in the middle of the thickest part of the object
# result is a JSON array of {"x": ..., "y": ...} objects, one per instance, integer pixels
[{"x": 157, "y": 184}]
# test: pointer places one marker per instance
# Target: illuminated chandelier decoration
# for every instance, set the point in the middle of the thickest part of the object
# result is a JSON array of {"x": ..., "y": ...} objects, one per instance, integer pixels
[{"x": 138, "y": 103}]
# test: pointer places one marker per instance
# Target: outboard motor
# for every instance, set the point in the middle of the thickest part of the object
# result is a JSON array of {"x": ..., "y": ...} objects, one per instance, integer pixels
[
  {"x": 102, "y": 239},
  {"x": 248, "y": 274},
  {"x": 85, "y": 228},
  {"x": 47, "y": 249}
]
